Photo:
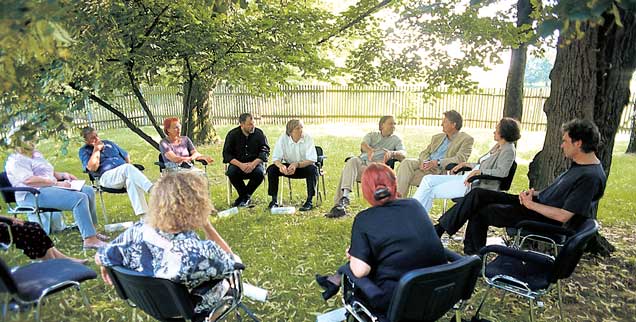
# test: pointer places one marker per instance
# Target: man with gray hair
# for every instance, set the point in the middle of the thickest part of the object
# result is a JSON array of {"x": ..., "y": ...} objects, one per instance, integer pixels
[
  {"x": 378, "y": 146},
  {"x": 451, "y": 146},
  {"x": 107, "y": 160},
  {"x": 245, "y": 151}
]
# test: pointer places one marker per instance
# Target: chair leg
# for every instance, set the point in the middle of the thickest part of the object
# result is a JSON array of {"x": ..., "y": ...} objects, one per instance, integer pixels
[
  {"x": 324, "y": 189},
  {"x": 37, "y": 311},
  {"x": 83, "y": 295},
  {"x": 229, "y": 189},
  {"x": 531, "y": 311},
  {"x": 5, "y": 306},
  {"x": 290, "y": 189},
  {"x": 318, "y": 193},
  {"x": 560, "y": 299},
  {"x": 483, "y": 300},
  {"x": 280, "y": 191},
  {"x": 358, "y": 189},
  {"x": 101, "y": 198}
]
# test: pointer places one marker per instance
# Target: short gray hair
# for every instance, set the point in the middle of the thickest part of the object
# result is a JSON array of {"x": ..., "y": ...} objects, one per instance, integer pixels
[
  {"x": 291, "y": 125},
  {"x": 86, "y": 131}
]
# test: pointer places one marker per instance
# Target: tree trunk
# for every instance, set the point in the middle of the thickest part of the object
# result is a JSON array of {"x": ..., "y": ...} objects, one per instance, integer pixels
[
  {"x": 196, "y": 113},
  {"x": 513, "y": 101},
  {"x": 631, "y": 147},
  {"x": 590, "y": 80}
]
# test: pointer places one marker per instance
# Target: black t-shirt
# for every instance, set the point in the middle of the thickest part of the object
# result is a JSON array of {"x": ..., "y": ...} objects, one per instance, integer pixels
[
  {"x": 576, "y": 189},
  {"x": 394, "y": 239},
  {"x": 245, "y": 148}
]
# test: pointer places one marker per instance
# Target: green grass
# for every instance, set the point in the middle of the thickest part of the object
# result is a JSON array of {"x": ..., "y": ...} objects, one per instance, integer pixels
[{"x": 283, "y": 252}]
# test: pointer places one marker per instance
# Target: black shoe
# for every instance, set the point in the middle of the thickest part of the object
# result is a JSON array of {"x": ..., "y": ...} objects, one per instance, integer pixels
[
  {"x": 344, "y": 202},
  {"x": 307, "y": 206},
  {"x": 247, "y": 203},
  {"x": 331, "y": 289},
  {"x": 439, "y": 230},
  {"x": 336, "y": 212},
  {"x": 237, "y": 202},
  {"x": 273, "y": 204}
]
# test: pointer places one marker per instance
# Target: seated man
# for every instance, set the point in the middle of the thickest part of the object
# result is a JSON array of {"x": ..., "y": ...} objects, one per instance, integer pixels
[
  {"x": 295, "y": 157},
  {"x": 245, "y": 149},
  {"x": 112, "y": 164},
  {"x": 380, "y": 146},
  {"x": 451, "y": 146},
  {"x": 566, "y": 201}
]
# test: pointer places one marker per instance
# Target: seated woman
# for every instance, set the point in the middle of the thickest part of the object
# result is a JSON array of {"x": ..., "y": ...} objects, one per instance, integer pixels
[
  {"x": 31, "y": 239},
  {"x": 167, "y": 246},
  {"x": 294, "y": 157},
  {"x": 177, "y": 150},
  {"x": 28, "y": 168},
  {"x": 388, "y": 240},
  {"x": 497, "y": 162}
]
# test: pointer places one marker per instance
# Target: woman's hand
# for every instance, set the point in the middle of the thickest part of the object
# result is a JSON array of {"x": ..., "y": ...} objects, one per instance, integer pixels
[
  {"x": 471, "y": 174},
  {"x": 458, "y": 166},
  {"x": 62, "y": 184}
]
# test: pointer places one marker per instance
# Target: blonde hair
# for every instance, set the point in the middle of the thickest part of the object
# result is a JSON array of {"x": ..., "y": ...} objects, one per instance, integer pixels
[{"x": 179, "y": 201}]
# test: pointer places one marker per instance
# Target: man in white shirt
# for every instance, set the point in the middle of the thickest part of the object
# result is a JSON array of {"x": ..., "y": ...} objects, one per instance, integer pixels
[{"x": 294, "y": 157}]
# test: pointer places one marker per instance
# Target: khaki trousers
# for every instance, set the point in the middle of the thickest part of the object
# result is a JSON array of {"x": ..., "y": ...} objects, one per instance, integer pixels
[
  {"x": 410, "y": 174},
  {"x": 351, "y": 173}
]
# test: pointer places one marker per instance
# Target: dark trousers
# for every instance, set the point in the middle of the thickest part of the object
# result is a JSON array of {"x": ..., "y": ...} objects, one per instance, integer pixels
[
  {"x": 236, "y": 176},
  {"x": 310, "y": 173},
  {"x": 483, "y": 208},
  {"x": 27, "y": 236}
]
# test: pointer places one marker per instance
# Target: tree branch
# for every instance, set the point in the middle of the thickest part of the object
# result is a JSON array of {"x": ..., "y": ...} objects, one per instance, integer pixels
[
  {"x": 152, "y": 26},
  {"x": 120, "y": 115},
  {"x": 142, "y": 100},
  {"x": 353, "y": 22}
]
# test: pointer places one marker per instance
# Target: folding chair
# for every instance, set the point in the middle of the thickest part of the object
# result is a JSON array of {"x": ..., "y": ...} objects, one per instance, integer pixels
[
  {"x": 424, "y": 294},
  {"x": 530, "y": 274},
  {"x": 166, "y": 300},
  {"x": 8, "y": 194},
  {"x": 101, "y": 189},
  {"x": 553, "y": 236},
  {"x": 321, "y": 175},
  {"x": 31, "y": 283}
]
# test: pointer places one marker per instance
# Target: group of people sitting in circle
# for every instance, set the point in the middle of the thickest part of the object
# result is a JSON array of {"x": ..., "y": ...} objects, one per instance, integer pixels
[{"x": 392, "y": 237}]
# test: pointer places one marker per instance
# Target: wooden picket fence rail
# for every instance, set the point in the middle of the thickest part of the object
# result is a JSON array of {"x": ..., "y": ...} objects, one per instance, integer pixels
[{"x": 316, "y": 104}]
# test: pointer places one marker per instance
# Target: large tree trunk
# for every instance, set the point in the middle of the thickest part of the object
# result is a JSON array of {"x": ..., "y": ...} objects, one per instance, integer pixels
[
  {"x": 631, "y": 147},
  {"x": 590, "y": 80},
  {"x": 196, "y": 120},
  {"x": 513, "y": 101}
]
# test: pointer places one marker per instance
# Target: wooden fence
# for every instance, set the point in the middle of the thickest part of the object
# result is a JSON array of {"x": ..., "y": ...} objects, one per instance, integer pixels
[{"x": 332, "y": 104}]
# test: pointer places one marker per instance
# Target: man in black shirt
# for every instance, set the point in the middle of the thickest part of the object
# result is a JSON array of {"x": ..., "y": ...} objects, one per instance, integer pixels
[
  {"x": 566, "y": 201},
  {"x": 245, "y": 150}
]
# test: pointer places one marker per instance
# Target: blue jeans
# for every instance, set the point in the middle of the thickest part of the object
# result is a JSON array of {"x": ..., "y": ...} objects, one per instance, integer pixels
[{"x": 82, "y": 203}]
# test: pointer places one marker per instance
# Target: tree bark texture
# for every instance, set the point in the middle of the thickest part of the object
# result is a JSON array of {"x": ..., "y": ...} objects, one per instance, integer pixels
[
  {"x": 631, "y": 147},
  {"x": 513, "y": 101},
  {"x": 196, "y": 112},
  {"x": 590, "y": 80}
]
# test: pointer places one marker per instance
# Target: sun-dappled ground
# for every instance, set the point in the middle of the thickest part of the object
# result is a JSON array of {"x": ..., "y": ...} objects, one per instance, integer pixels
[{"x": 283, "y": 252}]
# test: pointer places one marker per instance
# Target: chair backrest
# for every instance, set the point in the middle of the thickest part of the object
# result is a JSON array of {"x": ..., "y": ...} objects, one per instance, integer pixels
[
  {"x": 321, "y": 156},
  {"x": 161, "y": 163},
  {"x": 572, "y": 251},
  {"x": 426, "y": 294},
  {"x": 505, "y": 184},
  {"x": 8, "y": 196},
  {"x": 160, "y": 298},
  {"x": 7, "y": 283}
]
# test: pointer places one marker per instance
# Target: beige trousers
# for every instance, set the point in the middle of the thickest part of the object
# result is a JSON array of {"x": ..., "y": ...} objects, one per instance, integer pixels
[
  {"x": 410, "y": 174},
  {"x": 351, "y": 173}
]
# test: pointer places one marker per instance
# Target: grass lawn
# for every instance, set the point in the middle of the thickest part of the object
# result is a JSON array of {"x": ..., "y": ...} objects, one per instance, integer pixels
[{"x": 283, "y": 252}]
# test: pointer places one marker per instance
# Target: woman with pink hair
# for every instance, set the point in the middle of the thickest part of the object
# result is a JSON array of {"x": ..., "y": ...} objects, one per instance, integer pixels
[{"x": 389, "y": 239}]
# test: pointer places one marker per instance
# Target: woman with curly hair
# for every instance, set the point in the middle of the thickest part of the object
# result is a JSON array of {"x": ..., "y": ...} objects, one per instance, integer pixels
[{"x": 166, "y": 245}]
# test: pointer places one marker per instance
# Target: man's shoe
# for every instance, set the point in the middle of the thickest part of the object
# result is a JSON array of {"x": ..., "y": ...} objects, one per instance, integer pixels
[
  {"x": 336, "y": 212},
  {"x": 247, "y": 203},
  {"x": 344, "y": 202},
  {"x": 272, "y": 204},
  {"x": 307, "y": 206}
]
